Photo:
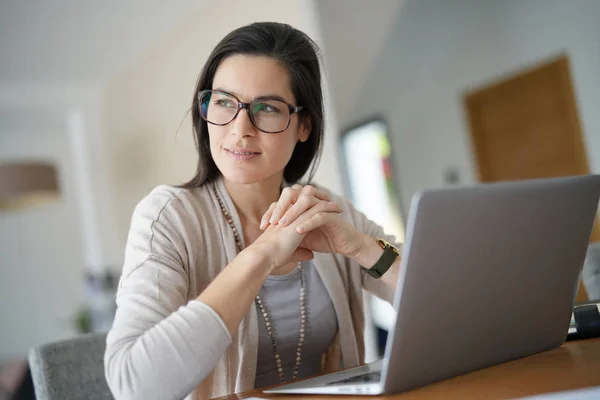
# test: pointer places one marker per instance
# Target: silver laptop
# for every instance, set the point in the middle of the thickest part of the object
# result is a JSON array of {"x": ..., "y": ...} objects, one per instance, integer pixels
[{"x": 489, "y": 274}]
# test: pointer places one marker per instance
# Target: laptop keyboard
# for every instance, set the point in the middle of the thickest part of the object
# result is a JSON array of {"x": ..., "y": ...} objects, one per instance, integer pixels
[{"x": 369, "y": 377}]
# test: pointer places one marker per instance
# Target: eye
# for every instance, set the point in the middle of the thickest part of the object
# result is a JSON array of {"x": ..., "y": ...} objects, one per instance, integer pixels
[
  {"x": 226, "y": 103},
  {"x": 266, "y": 108}
]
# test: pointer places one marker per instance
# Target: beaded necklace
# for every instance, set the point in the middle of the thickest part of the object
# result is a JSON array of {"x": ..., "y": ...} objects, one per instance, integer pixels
[{"x": 262, "y": 308}]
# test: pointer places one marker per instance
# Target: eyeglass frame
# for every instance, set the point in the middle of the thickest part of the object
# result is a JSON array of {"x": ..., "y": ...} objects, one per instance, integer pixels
[{"x": 241, "y": 105}]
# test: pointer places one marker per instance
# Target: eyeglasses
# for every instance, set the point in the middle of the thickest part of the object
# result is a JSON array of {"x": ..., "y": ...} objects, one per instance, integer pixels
[{"x": 267, "y": 114}]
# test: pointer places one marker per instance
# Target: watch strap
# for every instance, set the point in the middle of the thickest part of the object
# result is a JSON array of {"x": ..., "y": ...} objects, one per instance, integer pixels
[{"x": 390, "y": 253}]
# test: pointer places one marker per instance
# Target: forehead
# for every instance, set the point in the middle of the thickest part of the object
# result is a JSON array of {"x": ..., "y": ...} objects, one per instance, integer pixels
[{"x": 249, "y": 77}]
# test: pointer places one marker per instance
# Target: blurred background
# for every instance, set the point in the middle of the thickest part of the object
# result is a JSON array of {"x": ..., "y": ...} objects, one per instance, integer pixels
[{"x": 94, "y": 101}]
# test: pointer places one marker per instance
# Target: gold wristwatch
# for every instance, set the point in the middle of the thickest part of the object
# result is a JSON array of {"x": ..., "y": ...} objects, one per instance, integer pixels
[{"x": 385, "y": 261}]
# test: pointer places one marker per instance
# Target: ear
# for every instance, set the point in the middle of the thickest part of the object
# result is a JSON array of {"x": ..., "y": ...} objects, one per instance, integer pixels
[{"x": 305, "y": 129}]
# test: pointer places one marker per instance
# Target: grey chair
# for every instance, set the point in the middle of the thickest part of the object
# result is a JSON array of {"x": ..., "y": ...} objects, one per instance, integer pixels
[{"x": 70, "y": 369}]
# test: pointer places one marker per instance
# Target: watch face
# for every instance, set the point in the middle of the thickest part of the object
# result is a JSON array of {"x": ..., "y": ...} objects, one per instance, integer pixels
[{"x": 385, "y": 245}]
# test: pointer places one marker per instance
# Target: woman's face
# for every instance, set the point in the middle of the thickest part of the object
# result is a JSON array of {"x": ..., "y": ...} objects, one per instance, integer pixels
[{"x": 249, "y": 77}]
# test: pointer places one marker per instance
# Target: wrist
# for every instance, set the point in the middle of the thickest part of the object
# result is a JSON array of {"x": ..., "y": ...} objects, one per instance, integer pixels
[
  {"x": 259, "y": 256},
  {"x": 368, "y": 253}
]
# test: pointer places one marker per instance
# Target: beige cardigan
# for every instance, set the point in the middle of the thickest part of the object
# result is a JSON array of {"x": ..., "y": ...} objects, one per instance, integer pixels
[{"x": 164, "y": 344}]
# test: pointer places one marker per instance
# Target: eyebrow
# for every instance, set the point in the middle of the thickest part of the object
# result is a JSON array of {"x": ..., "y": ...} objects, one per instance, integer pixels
[{"x": 263, "y": 97}]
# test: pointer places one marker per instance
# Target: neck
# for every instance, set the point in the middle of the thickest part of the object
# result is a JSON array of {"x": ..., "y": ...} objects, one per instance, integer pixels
[{"x": 252, "y": 200}]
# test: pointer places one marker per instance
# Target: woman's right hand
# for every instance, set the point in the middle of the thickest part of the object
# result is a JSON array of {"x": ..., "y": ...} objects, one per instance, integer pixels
[
  {"x": 279, "y": 246},
  {"x": 279, "y": 243}
]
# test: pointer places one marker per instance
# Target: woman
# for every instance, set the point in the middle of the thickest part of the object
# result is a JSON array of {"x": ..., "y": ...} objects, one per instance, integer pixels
[{"x": 243, "y": 278}]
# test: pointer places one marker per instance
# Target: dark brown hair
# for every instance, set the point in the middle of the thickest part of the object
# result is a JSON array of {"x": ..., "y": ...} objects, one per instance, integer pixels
[{"x": 298, "y": 53}]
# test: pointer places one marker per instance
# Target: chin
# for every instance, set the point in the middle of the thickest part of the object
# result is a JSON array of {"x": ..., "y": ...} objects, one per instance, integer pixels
[
  {"x": 247, "y": 174},
  {"x": 243, "y": 177}
]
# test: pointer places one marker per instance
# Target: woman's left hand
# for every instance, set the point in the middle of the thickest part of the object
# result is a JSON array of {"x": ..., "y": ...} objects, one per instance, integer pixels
[{"x": 326, "y": 231}]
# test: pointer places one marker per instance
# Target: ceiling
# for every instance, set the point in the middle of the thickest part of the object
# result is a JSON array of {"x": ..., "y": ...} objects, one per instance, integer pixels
[
  {"x": 354, "y": 37},
  {"x": 66, "y": 40}
]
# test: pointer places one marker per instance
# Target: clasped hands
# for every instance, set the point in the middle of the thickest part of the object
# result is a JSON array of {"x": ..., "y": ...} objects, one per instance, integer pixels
[{"x": 304, "y": 220}]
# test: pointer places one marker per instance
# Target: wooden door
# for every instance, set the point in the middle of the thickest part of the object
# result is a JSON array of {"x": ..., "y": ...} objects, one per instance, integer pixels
[{"x": 526, "y": 126}]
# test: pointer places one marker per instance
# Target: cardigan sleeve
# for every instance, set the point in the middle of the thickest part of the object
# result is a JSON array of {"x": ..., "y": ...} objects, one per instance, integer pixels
[
  {"x": 161, "y": 346},
  {"x": 374, "y": 230}
]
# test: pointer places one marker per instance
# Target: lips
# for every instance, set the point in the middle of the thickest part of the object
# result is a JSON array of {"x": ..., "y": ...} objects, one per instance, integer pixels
[{"x": 242, "y": 152}]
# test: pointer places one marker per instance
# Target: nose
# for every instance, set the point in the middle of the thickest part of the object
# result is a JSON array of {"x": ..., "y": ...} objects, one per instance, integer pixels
[{"x": 242, "y": 125}]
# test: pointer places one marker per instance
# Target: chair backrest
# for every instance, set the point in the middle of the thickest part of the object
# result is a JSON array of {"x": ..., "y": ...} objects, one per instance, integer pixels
[{"x": 70, "y": 369}]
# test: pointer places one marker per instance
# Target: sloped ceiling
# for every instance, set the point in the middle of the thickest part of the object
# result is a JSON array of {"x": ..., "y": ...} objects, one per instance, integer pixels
[
  {"x": 65, "y": 40},
  {"x": 354, "y": 33}
]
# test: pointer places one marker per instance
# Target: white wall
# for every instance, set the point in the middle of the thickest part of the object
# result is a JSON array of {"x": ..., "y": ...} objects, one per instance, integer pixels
[
  {"x": 440, "y": 49},
  {"x": 39, "y": 107},
  {"x": 45, "y": 252},
  {"x": 145, "y": 105},
  {"x": 41, "y": 264}
]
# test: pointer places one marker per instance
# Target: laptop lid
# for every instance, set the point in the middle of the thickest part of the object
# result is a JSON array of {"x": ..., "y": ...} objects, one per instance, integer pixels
[{"x": 489, "y": 273}]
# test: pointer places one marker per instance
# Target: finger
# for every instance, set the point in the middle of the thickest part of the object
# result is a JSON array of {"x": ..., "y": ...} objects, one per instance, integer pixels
[
  {"x": 321, "y": 206},
  {"x": 315, "y": 221},
  {"x": 307, "y": 191},
  {"x": 265, "y": 219},
  {"x": 310, "y": 190},
  {"x": 288, "y": 197},
  {"x": 308, "y": 203},
  {"x": 300, "y": 206}
]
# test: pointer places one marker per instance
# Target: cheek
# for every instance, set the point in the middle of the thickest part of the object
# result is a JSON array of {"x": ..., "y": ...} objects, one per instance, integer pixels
[
  {"x": 283, "y": 148},
  {"x": 215, "y": 135}
]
